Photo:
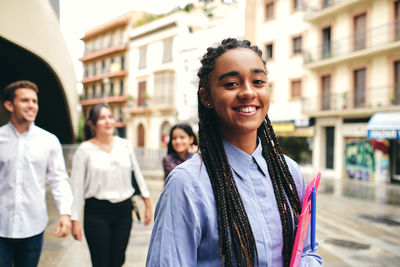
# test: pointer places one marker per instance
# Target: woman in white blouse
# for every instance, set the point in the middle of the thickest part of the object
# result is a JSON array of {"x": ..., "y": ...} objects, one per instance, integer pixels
[{"x": 101, "y": 182}]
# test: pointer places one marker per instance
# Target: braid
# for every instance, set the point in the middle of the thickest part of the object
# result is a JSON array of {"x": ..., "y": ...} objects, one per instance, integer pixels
[{"x": 235, "y": 233}]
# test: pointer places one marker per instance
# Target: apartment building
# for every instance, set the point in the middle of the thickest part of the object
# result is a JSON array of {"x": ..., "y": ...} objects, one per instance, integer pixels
[
  {"x": 165, "y": 57},
  {"x": 277, "y": 27},
  {"x": 350, "y": 60},
  {"x": 106, "y": 67}
]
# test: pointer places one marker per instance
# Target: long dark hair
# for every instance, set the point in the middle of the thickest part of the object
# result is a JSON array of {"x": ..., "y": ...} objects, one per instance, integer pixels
[
  {"x": 234, "y": 228},
  {"x": 187, "y": 129},
  {"x": 89, "y": 128}
]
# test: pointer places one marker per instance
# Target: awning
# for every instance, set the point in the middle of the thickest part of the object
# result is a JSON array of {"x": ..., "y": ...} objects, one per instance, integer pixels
[{"x": 384, "y": 125}]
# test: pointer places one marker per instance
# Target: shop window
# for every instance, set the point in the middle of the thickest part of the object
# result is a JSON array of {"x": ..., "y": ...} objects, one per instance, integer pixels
[{"x": 329, "y": 147}]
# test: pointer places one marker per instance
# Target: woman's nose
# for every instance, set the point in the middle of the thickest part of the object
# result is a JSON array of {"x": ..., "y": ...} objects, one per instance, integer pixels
[{"x": 247, "y": 91}]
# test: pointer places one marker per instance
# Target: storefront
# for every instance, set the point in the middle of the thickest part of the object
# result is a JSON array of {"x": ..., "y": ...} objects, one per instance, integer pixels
[
  {"x": 296, "y": 139},
  {"x": 383, "y": 133}
]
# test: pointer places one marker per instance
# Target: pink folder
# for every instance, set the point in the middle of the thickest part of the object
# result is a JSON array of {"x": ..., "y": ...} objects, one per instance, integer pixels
[{"x": 304, "y": 221}]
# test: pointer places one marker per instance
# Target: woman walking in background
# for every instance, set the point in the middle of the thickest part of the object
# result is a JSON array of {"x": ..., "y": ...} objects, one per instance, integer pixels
[
  {"x": 181, "y": 146},
  {"x": 237, "y": 202},
  {"x": 101, "y": 181}
]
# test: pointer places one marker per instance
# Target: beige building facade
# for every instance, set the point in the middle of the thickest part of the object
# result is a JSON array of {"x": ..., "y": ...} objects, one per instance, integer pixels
[{"x": 348, "y": 71}]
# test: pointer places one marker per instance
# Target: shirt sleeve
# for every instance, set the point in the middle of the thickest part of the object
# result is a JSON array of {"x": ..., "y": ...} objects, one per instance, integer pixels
[
  {"x": 78, "y": 172},
  {"x": 138, "y": 174},
  {"x": 177, "y": 232},
  {"x": 57, "y": 176}
]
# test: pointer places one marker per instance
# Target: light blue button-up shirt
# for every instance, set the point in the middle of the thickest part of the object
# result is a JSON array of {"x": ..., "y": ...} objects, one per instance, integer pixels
[{"x": 185, "y": 231}]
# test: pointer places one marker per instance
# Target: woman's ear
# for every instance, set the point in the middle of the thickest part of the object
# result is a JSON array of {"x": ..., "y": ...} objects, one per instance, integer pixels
[{"x": 205, "y": 98}]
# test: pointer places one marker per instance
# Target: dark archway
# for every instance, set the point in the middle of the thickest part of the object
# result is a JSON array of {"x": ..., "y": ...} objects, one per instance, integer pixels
[{"x": 17, "y": 63}]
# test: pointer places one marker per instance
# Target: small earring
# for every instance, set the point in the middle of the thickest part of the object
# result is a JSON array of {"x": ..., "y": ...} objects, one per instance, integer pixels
[{"x": 208, "y": 105}]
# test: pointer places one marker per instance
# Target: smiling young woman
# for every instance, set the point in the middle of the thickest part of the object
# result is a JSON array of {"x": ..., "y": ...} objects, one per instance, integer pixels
[{"x": 237, "y": 202}]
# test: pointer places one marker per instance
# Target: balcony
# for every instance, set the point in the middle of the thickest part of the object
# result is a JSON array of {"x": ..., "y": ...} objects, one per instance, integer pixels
[
  {"x": 383, "y": 38},
  {"x": 99, "y": 100},
  {"x": 104, "y": 52},
  {"x": 321, "y": 9},
  {"x": 353, "y": 104},
  {"x": 100, "y": 77},
  {"x": 155, "y": 104}
]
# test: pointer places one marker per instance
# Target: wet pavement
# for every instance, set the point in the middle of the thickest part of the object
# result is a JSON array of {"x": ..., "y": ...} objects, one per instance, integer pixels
[{"x": 358, "y": 224}]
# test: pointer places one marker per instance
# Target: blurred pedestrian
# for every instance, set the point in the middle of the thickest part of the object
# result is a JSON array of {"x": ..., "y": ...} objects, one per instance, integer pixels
[
  {"x": 101, "y": 181},
  {"x": 29, "y": 156},
  {"x": 237, "y": 202},
  {"x": 181, "y": 146}
]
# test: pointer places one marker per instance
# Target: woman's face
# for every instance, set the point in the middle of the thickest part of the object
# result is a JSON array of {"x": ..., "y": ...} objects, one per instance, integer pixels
[
  {"x": 105, "y": 122},
  {"x": 239, "y": 92},
  {"x": 181, "y": 141}
]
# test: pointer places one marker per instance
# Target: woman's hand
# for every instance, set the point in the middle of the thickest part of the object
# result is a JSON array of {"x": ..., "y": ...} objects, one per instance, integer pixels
[
  {"x": 147, "y": 213},
  {"x": 77, "y": 230}
]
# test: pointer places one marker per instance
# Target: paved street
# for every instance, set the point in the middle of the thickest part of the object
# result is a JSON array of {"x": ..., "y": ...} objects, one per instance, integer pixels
[{"x": 358, "y": 224}]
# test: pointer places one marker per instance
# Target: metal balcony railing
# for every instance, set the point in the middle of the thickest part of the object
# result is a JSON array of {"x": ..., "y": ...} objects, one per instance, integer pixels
[
  {"x": 384, "y": 96},
  {"x": 369, "y": 38}
]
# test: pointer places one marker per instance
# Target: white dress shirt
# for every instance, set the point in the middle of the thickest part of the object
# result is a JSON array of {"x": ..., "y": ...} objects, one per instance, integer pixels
[
  {"x": 105, "y": 176},
  {"x": 26, "y": 161}
]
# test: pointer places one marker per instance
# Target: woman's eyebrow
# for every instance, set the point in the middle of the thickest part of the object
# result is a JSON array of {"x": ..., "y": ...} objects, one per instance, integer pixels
[
  {"x": 258, "y": 70},
  {"x": 226, "y": 74}
]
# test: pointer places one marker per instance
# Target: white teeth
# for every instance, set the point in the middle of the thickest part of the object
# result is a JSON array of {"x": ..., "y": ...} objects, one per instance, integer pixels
[{"x": 246, "y": 109}]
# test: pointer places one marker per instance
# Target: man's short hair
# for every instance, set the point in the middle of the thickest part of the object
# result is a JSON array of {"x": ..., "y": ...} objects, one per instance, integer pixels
[{"x": 9, "y": 91}]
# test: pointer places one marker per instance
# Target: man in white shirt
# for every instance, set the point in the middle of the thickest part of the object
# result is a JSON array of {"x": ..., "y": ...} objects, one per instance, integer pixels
[{"x": 29, "y": 156}]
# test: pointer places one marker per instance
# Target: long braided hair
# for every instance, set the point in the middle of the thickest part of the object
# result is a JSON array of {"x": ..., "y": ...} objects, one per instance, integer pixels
[{"x": 235, "y": 233}]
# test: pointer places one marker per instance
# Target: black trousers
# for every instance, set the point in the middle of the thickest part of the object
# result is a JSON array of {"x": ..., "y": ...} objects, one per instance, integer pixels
[{"x": 107, "y": 228}]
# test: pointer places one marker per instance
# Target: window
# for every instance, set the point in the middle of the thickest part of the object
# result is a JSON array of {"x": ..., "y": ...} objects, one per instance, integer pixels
[
  {"x": 140, "y": 135},
  {"x": 359, "y": 87},
  {"x": 85, "y": 90},
  {"x": 397, "y": 82},
  {"x": 326, "y": 3},
  {"x": 142, "y": 94},
  {"x": 142, "y": 57},
  {"x": 269, "y": 10},
  {"x": 326, "y": 92},
  {"x": 297, "y": 4},
  {"x": 86, "y": 71},
  {"x": 102, "y": 90},
  {"x": 121, "y": 88},
  {"x": 94, "y": 69},
  {"x": 360, "y": 32},
  {"x": 269, "y": 51},
  {"x": 167, "y": 50},
  {"x": 103, "y": 66},
  {"x": 297, "y": 45},
  {"x": 295, "y": 91},
  {"x": 111, "y": 93},
  {"x": 326, "y": 42},
  {"x": 329, "y": 147},
  {"x": 397, "y": 20},
  {"x": 122, "y": 62},
  {"x": 164, "y": 88}
]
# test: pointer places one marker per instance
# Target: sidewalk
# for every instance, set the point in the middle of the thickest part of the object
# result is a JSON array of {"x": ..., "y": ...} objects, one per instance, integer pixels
[{"x": 358, "y": 224}]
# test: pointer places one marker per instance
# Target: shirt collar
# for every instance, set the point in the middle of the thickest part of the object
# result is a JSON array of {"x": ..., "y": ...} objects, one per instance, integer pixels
[
  {"x": 14, "y": 130},
  {"x": 240, "y": 160}
]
